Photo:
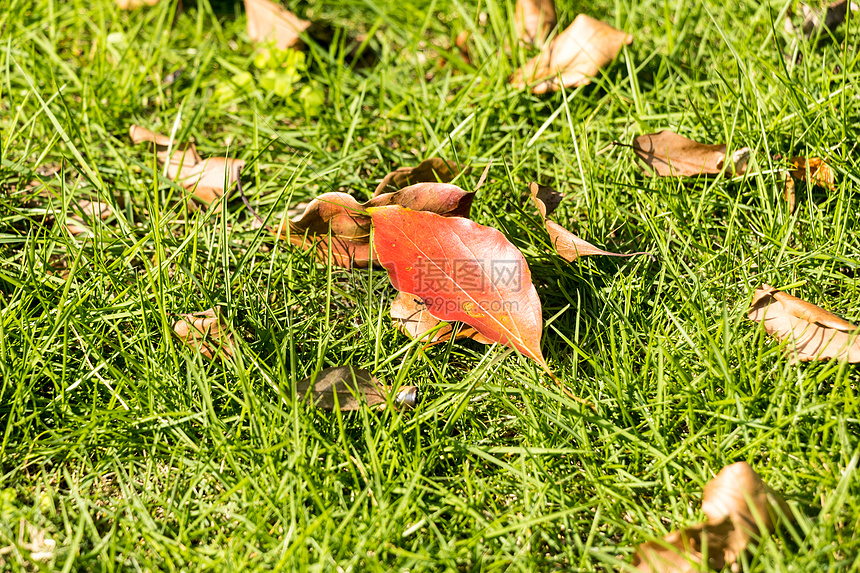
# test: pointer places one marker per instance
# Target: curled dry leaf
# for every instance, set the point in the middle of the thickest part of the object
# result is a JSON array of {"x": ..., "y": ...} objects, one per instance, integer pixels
[
  {"x": 206, "y": 332},
  {"x": 411, "y": 317},
  {"x": 349, "y": 222},
  {"x": 673, "y": 155},
  {"x": 433, "y": 170},
  {"x": 814, "y": 333},
  {"x": 813, "y": 170},
  {"x": 345, "y": 387},
  {"x": 534, "y": 19},
  {"x": 206, "y": 178},
  {"x": 834, "y": 15},
  {"x": 566, "y": 244},
  {"x": 89, "y": 211},
  {"x": 463, "y": 272},
  {"x": 267, "y": 19},
  {"x": 740, "y": 508},
  {"x": 577, "y": 54}
]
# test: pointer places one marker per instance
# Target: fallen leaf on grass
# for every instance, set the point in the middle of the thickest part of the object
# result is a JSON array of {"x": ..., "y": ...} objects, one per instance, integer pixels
[
  {"x": 134, "y": 4},
  {"x": 740, "y": 508},
  {"x": 349, "y": 222},
  {"x": 819, "y": 172},
  {"x": 431, "y": 170},
  {"x": 815, "y": 334},
  {"x": 40, "y": 547},
  {"x": 534, "y": 19},
  {"x": 205, "y": 332},
  {"x": 788, "y": 192},
  {"x": 834, "y": 15},
  {"x": 411, "y": 317},
  {"x": 577, "y": 54},
  {"x": 673, "y": 155},
  {"x": 566, "y": 244},
  {"x": 206, "y": 178},
  {"x": 345, "y": 388},
  {"x": 89, "y": 211},
  {"x": 463, "y": 272},
  {"x": 266, "y": 19}
]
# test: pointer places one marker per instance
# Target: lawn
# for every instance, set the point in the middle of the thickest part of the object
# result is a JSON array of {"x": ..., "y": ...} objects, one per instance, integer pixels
[{"x": 123, "y": 449}]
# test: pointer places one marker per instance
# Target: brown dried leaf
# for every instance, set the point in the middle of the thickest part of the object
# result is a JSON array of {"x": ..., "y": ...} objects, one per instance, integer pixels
[
  {"x": 346, "y": 387},
  {"x": 819, "y": 172},
  {"x": 206, "y": 332},
  {"x": 834, "y": 15},
  {"x": 577, "y": 54},
  {"x": 411, "y": 317},
  {"x": 534, "y": 19},
  {"x": 740, "y": 508},
  {"x": 815, "y": 334},
  {"x": 566, "y": 244},
  {"x": 134, "y": 4},
  {"x": 788, "y": 192},
  {"x": 349, "y": 223},
  {"x": 89, "y": 210},
  {"x": 206, "y": 178},
  {"x": 267, "y": 19},
  {"x": 673, "y": 155},
  {"x": 433, "y": 170}
]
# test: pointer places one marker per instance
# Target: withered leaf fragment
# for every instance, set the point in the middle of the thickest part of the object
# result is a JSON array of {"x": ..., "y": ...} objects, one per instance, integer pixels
[
  {"x": 814, "y": 333},
  {"x": 89, "y": 211},
  {"x": 349, "y": 223},
  {"x": 819, "y": 172},
  {"x": 205, "y": 177},
  {"x": 534, "y": 19},
  {"x": 206, "y": 332},
  {"x": 740, "y": 508},
  {"x": 346, "y": 387},
  {"x": 431, "y": 170},
  {"x": 577, "y": 54},
  {"x": 134, "y": 4},
  {"x": 834, "y": 15},
  {"x": 411, "y": 317},
  {"x": 267, "y": 19},
  {"x": 673, "y": 155},
  {"x": 566, "y": 244}
]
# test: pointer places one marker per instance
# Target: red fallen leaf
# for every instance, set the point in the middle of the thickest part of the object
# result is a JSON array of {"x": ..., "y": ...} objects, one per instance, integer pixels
[
  {"x": 411, "y": 317},
  {"x": 534, "y": 19},
  {"x": 267, "y": 19},
  {"x": 462, "y": 271},
  {"x": 204, "y": 177},
  {"x": 431, "y": 170},
  {"x": 349, "y": 222},
  {"x": 566, "y": 244},
  {"x": 577, "y": 54}
]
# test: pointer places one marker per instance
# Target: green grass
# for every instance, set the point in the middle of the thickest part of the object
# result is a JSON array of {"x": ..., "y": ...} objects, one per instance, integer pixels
[{"x": 135, "y": 453}]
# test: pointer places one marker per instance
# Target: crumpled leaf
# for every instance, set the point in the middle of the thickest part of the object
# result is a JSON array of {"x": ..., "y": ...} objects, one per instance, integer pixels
[
  {"x": 205, "y": 332},
  {"x": 346, "y": 387},
  {"x": 577, "y": 54},
  {"x": 566, "y": 244},
  {"x": 834, "y": 15},
  {"x": 740, "y": 508},
  {"x": 267, "y": 19},
  {"x": 463, "y": 272},
  {"x": 89, "y": 210},
  {"x": 819, "y": 172},
  {"x": 349, "y": 222},
  {"x": 204, "y": 177},
  {"x": 814, "y": 333},
  {"x": 534, "y": 19},
  {"x": 673, "y": 155},
  {"x": 411, "y": 317},
  {"x": 431, "y": 170}
]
